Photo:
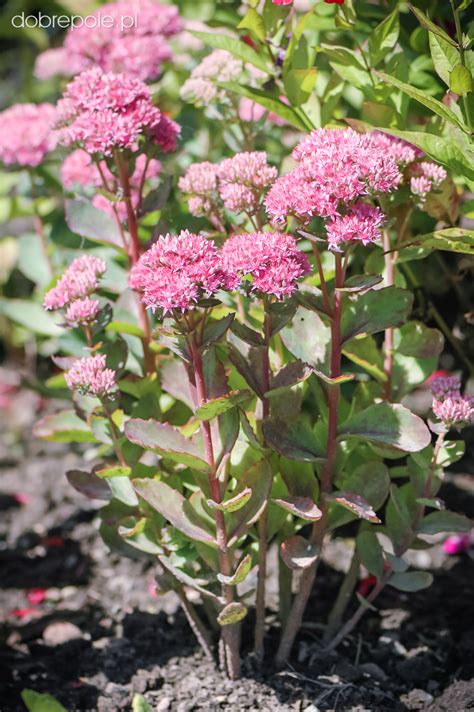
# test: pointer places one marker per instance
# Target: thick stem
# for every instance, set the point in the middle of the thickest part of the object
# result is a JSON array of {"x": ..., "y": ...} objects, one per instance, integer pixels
[
  {"x": 39, "y": 227},
  {"x": 389, "y": 333},
  {"x": 230, "y": 633},
  {"x": 295, "y": 617},
  {"x": 345, "y": 593},
  {"x": 262, "y": 522}
]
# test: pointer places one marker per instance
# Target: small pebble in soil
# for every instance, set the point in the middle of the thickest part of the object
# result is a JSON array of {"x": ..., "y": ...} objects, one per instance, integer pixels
[{"x": 61, "y": 632}]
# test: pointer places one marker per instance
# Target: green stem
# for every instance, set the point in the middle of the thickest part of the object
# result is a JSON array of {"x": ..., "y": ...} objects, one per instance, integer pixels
[
  {"x": 457, "y": 22},
  {"x": 389, "y": 333},
  {"x": 344, "y": 596},
  {"x": 39, "y": 227}
]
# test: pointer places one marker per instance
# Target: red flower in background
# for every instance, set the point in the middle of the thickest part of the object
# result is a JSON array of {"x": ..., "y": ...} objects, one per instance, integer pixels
[
  {"x": 282, "y": 2},
  {"x": 334, "y": 2}
]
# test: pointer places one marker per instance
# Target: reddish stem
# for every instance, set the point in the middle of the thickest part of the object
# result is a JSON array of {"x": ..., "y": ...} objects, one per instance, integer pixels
[
  {"x": 230, "y": 635},
  {"x": 295, "y": 617},
  {"x": 262, "y": 522},
  {"x": 389, "y": 333}
]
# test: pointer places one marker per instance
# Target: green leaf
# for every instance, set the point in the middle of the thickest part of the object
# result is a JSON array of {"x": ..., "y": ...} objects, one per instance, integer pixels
[
  {"x": 142, "y": 536},
  {"x": 184, "y": 578},
  {"x": 451, "y": 239},
  {"x": 139, "y": 704},
  {"x": 438, "y": 522},
  {"x": 445, "y": 57},
  {"x": 64, "y": 427},
  {"x": 302, "y": 507},
  {"x": 299, "y": 84},
  {"x": 217, "y": 406},
  {"x": 384, "y": 37},
  {"x": 430, "y": 26},
  {"x": 363, "y": 351},
  {"x": 117, "y": 471},
  {"x": 390, "y": 424},
  {"x": 447, "y": 151},
  {"x": 30, "y": 315},
  {"x": 435, "y": 503},
  {"x": 308, "y": 338},
  {"x": 293, "y": 373},
  {"x": 246, "y": 334},
  {"x": 232, "y": 613},
  {"x": 298, "y": 553},
  {"x": 361, "y": 282},
  {"x": 238, "y": 48},
  {"x": 417, "y": 340},
  {"x": 422, "y": 97},
  {"x": 253, "y": 22},
  {"x": 174, "y": 507},
  {"x": 122, "y": 489},
  {"x": 89, "y": 484},
  {"x": 215, "y": 330},
  {"x": 355, "y": 504},
  {"x": 166, "y": 441},
  {"x": 240, "y": 574},
  {"x": 411, "y": 581},
  {"x": 460, "y": 80},
  {"x": 294, "y": 440},
  {"x": 370, "y": 552},
  {"x": 273, "y": 104},
  {"x": 124, "y": 327},
  {"x": 233, "y": 504},
  {"x": 375, "y": 311},
  {"x": 258, "y": 478},
  {"x": 88, "y": 221},
  {"x": 41, "y": 702}
]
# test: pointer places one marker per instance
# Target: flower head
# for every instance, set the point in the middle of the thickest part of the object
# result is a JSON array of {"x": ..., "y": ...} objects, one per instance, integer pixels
[
  {"x": 334, "y": 168},
  {"x": 426, "y": 177},
  {"x": 272, "y": 260},
  {"x": 125, "y": 45},
  {"x": 177, "y": 271},
  {"x": 82, "y": 312},
  {"x": 202, "y": 86},
  {"x": 454, "y": 412},
  {"x": 449, "y": 406},
  {"x": 26, "y": 133},
  {"x": 78, "y": 281},
  {"x": 242, "y": 179},
  {"x": 102, "y": 111},
  {"x": 361, "y": 223},
  {"x": 90, "y": 376}
]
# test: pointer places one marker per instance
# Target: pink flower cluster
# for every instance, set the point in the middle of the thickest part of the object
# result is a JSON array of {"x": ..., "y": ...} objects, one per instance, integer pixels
[
  {"x": 133, "y": 41},
  {"x": 401, "y": 151},
  {"x": 362, "y": 224},
  {"x": 271, "y": 259},
  {"x": 90, "y": 376},
  {"x": 177, "y": 271},
  {"x": 426, "y": 176},
  {"x": 334, "y": 169},
  {"x": 82, "y": 312},
  {"x": 26, "y": 133},
  {"x": 237, "y": 183},
  {"x": 78, "y": 169},
  {"x": 202, "y": 86},
  {"x": 252, "y": 112},
  {"x": 449, "y": 406},
  {"x": 103, "y": 111},
  {"x": 78, "y": 281}
]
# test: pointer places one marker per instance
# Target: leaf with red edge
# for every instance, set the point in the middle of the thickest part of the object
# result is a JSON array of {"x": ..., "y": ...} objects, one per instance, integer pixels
[
  {"x": 167, "y": 441},
  {"x": 298, "y": 553},
  {"x": 302, "y": 507},
  {"x": 355, "y": 504}
]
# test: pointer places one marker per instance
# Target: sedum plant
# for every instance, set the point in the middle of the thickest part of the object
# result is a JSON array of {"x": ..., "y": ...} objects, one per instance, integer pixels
[{"x": 237, "y": 365}]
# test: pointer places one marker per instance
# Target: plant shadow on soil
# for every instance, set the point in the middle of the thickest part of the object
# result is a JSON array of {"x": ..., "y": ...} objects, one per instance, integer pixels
[{"x": 100, "y": 636}]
